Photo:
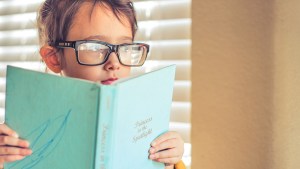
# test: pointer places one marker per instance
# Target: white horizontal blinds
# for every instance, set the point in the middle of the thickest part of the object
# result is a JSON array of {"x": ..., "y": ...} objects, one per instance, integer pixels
[
  {"x": 18, "y": 38},
  {"x": 165, "y": 25}
]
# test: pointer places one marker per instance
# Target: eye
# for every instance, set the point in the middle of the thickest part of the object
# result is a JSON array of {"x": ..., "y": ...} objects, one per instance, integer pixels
[
  {"x": 125, "y": 48},
  {"x": 95, "y": 47}
]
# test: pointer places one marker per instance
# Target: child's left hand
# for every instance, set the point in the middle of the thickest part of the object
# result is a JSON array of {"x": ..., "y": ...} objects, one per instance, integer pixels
[{"x": 167, "y": 148}]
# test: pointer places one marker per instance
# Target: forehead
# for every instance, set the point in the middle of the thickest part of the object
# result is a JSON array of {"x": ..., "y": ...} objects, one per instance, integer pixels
[{"x": 100, "y": 21}]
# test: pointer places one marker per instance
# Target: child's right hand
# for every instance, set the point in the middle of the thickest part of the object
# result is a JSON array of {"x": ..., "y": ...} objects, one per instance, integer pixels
[{"x": 11, "y": 147}]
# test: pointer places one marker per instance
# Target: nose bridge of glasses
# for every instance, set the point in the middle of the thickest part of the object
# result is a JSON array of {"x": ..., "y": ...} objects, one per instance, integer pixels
[{"x": 113, "y": 49}]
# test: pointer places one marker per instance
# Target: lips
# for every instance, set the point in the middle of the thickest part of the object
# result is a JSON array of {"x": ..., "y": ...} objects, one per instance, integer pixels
[{"x": 109, "y": 81}]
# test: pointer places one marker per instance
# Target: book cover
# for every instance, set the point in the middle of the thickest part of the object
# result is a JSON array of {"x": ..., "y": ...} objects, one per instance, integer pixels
[{"x": 73, "y": 123}]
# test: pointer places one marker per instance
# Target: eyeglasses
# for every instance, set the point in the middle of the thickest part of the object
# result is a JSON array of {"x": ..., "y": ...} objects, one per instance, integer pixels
[{"x": 93, "y": 52}]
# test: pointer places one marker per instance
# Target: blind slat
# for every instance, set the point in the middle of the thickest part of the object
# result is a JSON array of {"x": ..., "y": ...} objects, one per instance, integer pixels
[
  {"x": 170, "y": 50},
  {"x": 146, "y": 10},
  {"x": 2, "y": 85},
  {"x": 181, "y": 112},
  {"x": 14, "y": 7},
  {"x": 167, "y": 29},
  {"x": 18, "y": 21},
  {"x": 181, "y": 91},
  {"x": 19, "y": 53},
  {"x": 2, "y": 100},
  {"x": 18, "y": 37},
  {"x": 148, "y": 31},
  {"x": 183, "y": 129},
  {"x": 28, "y": 65},
  {"x": 161, "y": 10}
]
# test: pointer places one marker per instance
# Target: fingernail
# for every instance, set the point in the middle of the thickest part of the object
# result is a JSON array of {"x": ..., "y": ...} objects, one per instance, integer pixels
[
  {"x": 26, "y": 152},
  {"x": 152, "y": 150},
  {"x": 24, "y": 144},
  {"x": 15, "y": 135},
  {"x": 153, "y": 143},
  {"x": 27, "y": 143},
  {"x": 152, "y": 156},
  {"x": 20, "y": 157}
]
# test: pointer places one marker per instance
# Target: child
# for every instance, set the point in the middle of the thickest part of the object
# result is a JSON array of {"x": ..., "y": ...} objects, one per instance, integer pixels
[{"x": 92, "y": 40}]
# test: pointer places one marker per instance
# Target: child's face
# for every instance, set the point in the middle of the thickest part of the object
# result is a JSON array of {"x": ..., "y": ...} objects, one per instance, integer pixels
[{"x": 101, "y": 25}]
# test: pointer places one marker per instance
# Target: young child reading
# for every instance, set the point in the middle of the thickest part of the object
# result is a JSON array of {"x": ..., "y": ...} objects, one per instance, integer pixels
[{"x": 92, "y": 40}]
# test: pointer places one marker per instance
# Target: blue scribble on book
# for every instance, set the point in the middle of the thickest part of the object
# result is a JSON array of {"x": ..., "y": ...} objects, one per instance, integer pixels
[{"x": 45, "y": 139}]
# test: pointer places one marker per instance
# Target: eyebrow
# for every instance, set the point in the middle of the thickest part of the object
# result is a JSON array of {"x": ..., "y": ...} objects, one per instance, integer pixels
[{"x": 104, "y": 38}]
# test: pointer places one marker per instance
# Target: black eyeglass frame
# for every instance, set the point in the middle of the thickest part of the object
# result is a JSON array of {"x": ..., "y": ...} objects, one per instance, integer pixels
[{"x": 112, "y": 48}]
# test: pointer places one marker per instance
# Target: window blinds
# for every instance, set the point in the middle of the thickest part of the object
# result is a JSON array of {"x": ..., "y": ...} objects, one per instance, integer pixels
[{"x": 164, "y": 24}]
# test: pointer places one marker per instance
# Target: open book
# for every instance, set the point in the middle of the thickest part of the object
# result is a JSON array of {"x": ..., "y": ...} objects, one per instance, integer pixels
[{"x": 77, "y": 124}]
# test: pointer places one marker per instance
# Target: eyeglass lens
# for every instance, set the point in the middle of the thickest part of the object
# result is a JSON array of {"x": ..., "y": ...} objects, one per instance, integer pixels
[{"x": 95, "y": 53}]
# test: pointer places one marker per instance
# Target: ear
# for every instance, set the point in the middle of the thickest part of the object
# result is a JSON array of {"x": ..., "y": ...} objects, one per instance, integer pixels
[{"x": 50, "y": 57}]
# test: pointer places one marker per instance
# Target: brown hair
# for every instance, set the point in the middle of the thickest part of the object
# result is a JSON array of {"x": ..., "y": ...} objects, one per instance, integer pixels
[{"x": 55, "y": 17}]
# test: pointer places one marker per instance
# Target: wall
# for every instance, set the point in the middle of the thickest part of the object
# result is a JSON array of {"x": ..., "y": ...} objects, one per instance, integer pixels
[
  {"x": 286, "y": 134},
  {"x": 245, "y": 84}
]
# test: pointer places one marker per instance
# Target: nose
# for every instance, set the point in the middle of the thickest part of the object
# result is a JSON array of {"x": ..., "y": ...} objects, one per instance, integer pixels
[{"x": 112, "y": 63}]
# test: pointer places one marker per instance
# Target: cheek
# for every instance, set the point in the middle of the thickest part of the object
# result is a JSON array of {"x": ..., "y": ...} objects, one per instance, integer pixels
[
  {"x": 92, "y": 73},
  {"x": 68, "y": 59},
  {"x": 124, "y": 71},
  {"x": 71, "y": 68}
]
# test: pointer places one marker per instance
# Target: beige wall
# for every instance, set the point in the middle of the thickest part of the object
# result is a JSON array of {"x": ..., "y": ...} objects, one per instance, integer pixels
[
  {"x": 286, "y": 134},
  {"x": 245, "y": 84}
]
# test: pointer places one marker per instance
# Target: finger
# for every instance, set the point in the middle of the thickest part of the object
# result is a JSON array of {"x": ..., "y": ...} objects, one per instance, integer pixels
[
  {"x": 169, "y": 166},
  {"x": 164, "y": 137},
  {"x": 170, "y": 153},
  {"x": 164, "y": 145},
  {"x": 172, "y": 160},
  {"x": 12, "y": 141},
  {"x": 5, "y": 150},
  {"x": 4, "y": 129},
  {"x": 10, "y": 158}
]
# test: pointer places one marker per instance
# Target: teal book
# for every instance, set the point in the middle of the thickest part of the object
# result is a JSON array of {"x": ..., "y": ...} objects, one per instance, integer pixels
[{"x": 77, "y": 124}]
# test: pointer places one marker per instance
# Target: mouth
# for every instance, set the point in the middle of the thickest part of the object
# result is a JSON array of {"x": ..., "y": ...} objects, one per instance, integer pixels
[{"x": 109, "y": 81}]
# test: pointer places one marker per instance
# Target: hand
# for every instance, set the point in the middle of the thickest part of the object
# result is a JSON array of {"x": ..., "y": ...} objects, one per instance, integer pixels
[
  {"x": 11, "y": 147},
  {"x": 167, "y": 148}
]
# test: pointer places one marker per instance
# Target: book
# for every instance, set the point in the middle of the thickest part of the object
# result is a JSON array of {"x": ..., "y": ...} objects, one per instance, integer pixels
[{"x": 77, "y": 124}]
